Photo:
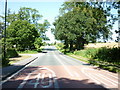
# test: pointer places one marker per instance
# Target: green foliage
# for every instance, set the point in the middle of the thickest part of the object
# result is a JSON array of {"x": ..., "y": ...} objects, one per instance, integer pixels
[
  {"x": 5, "y": 61},
  {"x": 34, "y": 51},
  {"x": 11, "y": 53},
  {"x": 108, "y": 55},
  {"x": 106, "y": 58},
  {"x": 43, "y": 28},
  {"x": 29, "y": 14},
  {"x": 39, "y": 50},
  {"x": 81, "y": 53},
  {"x": 59, "y": 45},
  {"x": 81, "y": 23},
  {"x": 38, "y": 43},
  {"x": 23, "y": 28},
  {"x": 88, "y": 53},
  {"x": 22, "y": 34}
]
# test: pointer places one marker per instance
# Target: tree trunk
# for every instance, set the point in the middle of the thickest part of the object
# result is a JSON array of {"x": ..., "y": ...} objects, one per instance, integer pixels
[
  {"x": 71, "y": 45},
  {"x": 80, "y": 43}
]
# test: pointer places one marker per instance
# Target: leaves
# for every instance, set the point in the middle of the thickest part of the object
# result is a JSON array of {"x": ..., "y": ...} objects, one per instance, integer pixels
[
  {"x": 22, "y": 33},
  {"x": 80, "y": 23},
  {"x": 23, "y": 28}
]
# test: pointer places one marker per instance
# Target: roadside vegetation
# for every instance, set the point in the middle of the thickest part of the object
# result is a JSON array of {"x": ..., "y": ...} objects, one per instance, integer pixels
[
  {"x": 19, "y": 58},
  {"x": 23, "y": 33},
  {"x": 28, "y": 52},
  {"x": 81, "y": 23},
  {"x": 104, "y": 57}
]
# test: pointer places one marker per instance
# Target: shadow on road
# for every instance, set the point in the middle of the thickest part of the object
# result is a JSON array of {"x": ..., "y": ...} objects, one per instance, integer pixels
[
  {"x": 48, "y": 49},
  {"x": 63, "y": 82}
]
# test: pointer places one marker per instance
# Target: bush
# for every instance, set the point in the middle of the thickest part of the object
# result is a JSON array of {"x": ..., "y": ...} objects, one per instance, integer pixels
[
  {"x": 39, "y": 50},
  {"x": 110, "y": 55},
  {"x": 5, "y": 61},
  {"x": 11, "y": 53},
  {"x": 107, "y": 58},
  {"x": 81, "y": 53},
  {"x": 90, "y": 53},
  {"x": 60, "y": 45}
]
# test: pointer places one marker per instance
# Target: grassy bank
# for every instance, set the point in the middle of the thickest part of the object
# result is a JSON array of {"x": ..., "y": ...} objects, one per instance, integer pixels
[
  {"x": 13, "y": 56},
  {"x": 28, "y": 52},
  {"x": 104, "y": 57},
  {"x": 19, "y": 58}
]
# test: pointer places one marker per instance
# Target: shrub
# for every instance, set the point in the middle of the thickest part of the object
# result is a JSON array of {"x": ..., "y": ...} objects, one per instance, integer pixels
[
  {"x": 60, "y": 45},
  {"x": 11, "y": 53},
  {"x": 107, "y": 58},
  {"x": 39, "y": 50},
  {"x": 108, "y": 55},
  {"x": 90, "y": 53},
  {"x": 5, "y": 61}
]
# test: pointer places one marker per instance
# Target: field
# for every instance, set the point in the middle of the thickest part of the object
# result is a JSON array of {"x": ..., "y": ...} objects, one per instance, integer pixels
[{"x": 99, "y": 45}]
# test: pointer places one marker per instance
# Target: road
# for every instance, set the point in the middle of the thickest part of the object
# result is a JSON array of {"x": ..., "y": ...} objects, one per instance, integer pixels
[{"x": 56, "y": 70}]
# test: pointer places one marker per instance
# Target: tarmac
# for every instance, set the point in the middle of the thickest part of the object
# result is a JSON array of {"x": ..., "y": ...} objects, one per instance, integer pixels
[{"x": 9, "y": 70}]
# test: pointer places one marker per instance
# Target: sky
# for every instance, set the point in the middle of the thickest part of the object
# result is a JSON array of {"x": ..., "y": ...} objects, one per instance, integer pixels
[{"x": 49, "y": 9}]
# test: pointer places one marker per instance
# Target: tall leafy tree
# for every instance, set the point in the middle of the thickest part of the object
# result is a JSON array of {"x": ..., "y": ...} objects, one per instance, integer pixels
[
  {"x": 28, "y": 17},
  {"x": 29, "y": 14},
  {"x": 80, "y": 23},
  {"x": 42, "y": 28},
  {"x": 22, "y": 34}
]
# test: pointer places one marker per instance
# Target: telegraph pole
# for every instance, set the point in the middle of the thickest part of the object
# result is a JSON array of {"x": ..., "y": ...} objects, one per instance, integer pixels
[{"x": 5, "y": 30}]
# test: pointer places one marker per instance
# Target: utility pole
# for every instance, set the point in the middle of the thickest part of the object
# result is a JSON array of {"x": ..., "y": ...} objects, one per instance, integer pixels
[{"x": 5, "y": 30}]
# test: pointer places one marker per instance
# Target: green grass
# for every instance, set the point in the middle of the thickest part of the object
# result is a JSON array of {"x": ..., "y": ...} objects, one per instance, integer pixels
[
  {"x": 105, "y": 58},
  {"x": 78, "y": 57},
  {"x": 28, "y": 52}
]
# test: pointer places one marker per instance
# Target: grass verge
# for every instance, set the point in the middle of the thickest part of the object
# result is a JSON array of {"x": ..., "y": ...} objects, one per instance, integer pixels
[
  {"x": 28, "y": 52},
  {"x": 104, "y": 57},
  {"x": 19, "y": 58}
]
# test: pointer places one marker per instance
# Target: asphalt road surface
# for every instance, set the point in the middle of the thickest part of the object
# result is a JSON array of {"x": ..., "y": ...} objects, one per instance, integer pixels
[{"x": 56, "y": 70}]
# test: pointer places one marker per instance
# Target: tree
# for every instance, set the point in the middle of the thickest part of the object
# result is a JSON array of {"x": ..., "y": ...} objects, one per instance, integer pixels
[
  {"x": 80, "y": 23},
  {"x": 29, "y": 14},
  {"x": 42, "y": 28},
  {"x": 22, "y": 34},
  {"x": 14, "y": 23},
  {"x": 38, "y": 42}
]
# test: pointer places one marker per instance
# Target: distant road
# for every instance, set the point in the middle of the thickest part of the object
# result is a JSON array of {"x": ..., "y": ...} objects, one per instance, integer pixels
[{"x": 53, "y": 69}]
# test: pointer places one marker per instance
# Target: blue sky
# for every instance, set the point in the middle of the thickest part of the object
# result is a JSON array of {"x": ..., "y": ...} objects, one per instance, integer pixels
[{"x": 48, "y": 8}]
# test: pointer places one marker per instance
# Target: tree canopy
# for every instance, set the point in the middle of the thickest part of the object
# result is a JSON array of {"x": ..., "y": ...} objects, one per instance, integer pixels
[
  {"x": 23, "y": 28},
  {"x": 22, "y": 34},
  {"x": 82, "y": 22}
]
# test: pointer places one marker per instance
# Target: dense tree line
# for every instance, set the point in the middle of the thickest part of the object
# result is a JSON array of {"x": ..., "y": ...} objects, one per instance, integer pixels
[
  {"x": 23, "y": 29},
  {"x": 22, "y": 32},
  {"x": 82, "y": 22}
]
